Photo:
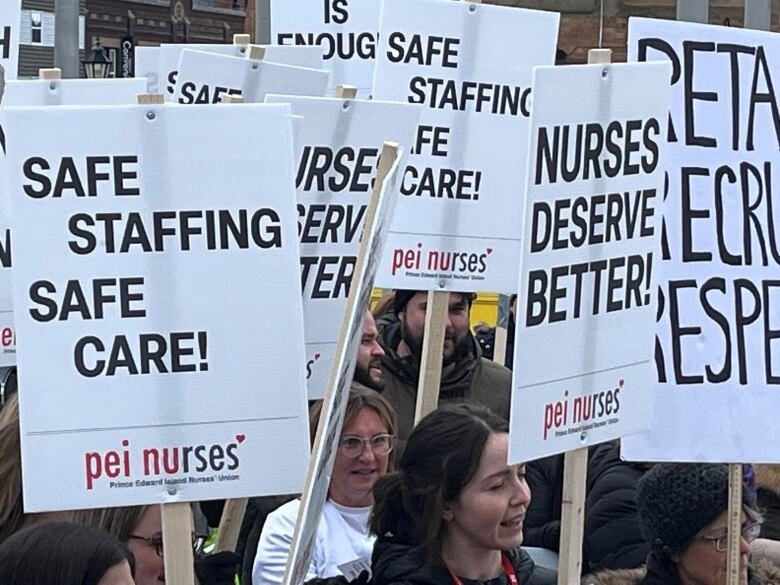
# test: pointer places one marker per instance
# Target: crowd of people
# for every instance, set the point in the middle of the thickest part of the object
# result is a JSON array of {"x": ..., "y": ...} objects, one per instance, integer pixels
[{"x": 434, "y": 503}]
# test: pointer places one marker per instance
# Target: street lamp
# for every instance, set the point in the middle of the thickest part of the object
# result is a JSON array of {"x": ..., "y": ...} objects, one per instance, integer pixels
[{"x": 97, "y": 65}]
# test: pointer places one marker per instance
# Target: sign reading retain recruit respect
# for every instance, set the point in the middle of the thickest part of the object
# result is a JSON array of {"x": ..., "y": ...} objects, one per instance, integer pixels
[
  {"x": 586, "y": 305},
  {"x": 159, "y": 364},
  {"x": 459, "y": 222},
  {"x": 718, "y": 337}
]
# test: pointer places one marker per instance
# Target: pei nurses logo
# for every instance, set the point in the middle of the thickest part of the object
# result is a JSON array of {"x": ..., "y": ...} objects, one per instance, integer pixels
[
  {"x": 420, "y": 262},
  {"x": 149, "y": 466}
]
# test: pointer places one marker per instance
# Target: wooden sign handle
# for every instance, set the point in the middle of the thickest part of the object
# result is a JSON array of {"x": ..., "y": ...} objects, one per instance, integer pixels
[
  {"x": 436, "y": 315},
  {"x": 52, "y": 74},
  {"x": 230, "y": 524},
  {"x": 177, "y": 543},
  {"x": 735, "y": 524},
  {"x": 345, "y": 92}
]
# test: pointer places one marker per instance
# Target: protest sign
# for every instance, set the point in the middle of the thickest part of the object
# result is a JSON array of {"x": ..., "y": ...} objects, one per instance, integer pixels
[
  {"x": 718, "y": 336},
  {"x": 141, "y": 259},
  {"x": 592, "y": 230},
  {"x": 344, "y": 33},
  {"x": 169, "y": 55},
  {"x": 459, "y": 222},
  {"x": 10, "y": 23},
  {"x": 378, "y": 217},
  {"x": 204, "y": 77},
  {"x": 337, "y": 158}
]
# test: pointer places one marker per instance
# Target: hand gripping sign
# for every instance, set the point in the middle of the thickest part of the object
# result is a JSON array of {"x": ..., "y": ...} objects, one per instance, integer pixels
[
  {"x": 171, "y": 371},
  {"x": 586, "y": 305},
  {"x": 718, "y": 336}
]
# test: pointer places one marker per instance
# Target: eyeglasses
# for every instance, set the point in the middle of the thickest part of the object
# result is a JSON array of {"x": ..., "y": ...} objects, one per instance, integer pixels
[
  {"x": 156, "y": 542},
  {"x": 750, "y": 532},
  {"x": 353, "y": 447}
]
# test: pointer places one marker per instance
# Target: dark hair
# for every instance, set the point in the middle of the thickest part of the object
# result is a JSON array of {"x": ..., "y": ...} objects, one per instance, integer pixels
[
  {"x": 441, "y": 457},
  {"x": 60, "y": 553}
]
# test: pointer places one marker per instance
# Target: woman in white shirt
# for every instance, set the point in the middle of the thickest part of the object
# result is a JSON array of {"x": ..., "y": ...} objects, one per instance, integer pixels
[{"x": 343, "y": 543}]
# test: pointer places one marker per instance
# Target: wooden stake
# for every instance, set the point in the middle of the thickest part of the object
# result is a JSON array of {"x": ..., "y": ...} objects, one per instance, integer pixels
[
  {"x": 231, "y": 99},
  {"x": 346, "y": 92},
  {"x": 735, "y": 524},
  {"x": 242, "y": 39},
  {"x": 255, "y": 52},
  {"x": 230, "y": 524},
  {"x": 575, "y": 469},
  {"x": 177, "y": 543},
  {"x": 502, "y": 330},
  {"x": 334, "y": 404},
  {"x": 150, "y": 99},
  {"x": 436, "y": 315},
  {"x": 54, "y": 73}
]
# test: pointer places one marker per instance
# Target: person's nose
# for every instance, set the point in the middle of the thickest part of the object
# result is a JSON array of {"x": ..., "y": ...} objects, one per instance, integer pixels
[
  {"x": 376, "y": 350},
  {"x": 367, "y": 456},
  {"x": 744, "y": 546},
  {"x": 521, "y": 495}
]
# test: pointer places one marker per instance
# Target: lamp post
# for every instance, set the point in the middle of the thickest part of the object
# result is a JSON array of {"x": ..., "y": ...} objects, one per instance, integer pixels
[{"x": 97, "y": 64}]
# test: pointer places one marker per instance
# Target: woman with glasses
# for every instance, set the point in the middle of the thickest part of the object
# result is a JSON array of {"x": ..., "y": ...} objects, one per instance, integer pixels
[
  {"x": 683, "y": 515},
  {"x": 453, "y": 512},
  {"x": 343, "y": 541}
]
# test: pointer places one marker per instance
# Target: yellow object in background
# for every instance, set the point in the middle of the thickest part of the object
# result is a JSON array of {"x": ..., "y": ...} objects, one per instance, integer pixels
[{"x": 483, "y": 310}]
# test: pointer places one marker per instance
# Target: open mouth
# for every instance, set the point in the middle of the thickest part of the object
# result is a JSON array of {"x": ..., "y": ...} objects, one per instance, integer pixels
[
  {"x": 514, "y": 523},
  {"x": 364, "y": 472}
]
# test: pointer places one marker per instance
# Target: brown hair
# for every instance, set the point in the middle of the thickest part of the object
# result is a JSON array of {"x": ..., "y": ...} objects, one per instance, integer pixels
[
  {"x": 11, "y": 508},
  {"x": 120, "y": 522}
]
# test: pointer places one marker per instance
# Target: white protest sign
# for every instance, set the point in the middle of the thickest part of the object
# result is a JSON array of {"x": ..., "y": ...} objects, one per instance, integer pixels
[
  {"x": 142, "y": 256},
  {"x": 147, "y": 65},
  {"x": 50, "y": 92},
  {"x": 169, "y": 56},
  {"x": 10, "y": 24},
  {"x": 337, "y": 158},
  {"x": 344, "y": 33},
  {"x": 204, "y": 77},
  {"x": 592, "y": 232},
  {"x": 378, "y": 217},
  {"x": 718, "y": 336},
  {"x": 459, "y": 222},
  {"x": 73, "y": 92}
]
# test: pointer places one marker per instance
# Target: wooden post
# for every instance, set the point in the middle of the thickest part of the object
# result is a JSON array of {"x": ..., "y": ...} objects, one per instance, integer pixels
[
  {"x": 575, "y": 470},
  {"x": 255, "y": 52},
  {"x": 231, "y": 99},
  {"x": 346, "y": 92},
  {"x": 230, "y": 524},
  {"x": 502, "y": 330},
  {"x": 315, "y": 490},
  {"x": 177, "y": 543},
  {"x": 55, "y": 73},
  {"x": 735, "y": 524},
  {"x": 150, "y": 99},
  {"x": 242, "y": 39},
  {"x": 436, "y": 314}
]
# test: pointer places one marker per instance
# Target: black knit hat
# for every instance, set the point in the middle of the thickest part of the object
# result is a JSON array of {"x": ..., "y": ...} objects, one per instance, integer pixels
[
  {"x": 402, "y": 297},
  {"x": 677, "y": 500}
]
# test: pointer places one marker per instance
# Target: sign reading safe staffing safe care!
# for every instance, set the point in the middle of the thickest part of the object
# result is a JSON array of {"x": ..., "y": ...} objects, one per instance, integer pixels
[
  {"x": 10, "y": 23},
  {"x": 592, "y": 232},
  {"x": 337, "y": 157},
  {"x": 142, "y": 257},
  {"x": 458, "y": 224},
  {"x": 718, "y": 336}
]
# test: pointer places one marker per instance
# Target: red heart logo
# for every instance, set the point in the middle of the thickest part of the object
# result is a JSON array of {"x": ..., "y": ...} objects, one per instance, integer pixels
[
  {"x": 316, "y": 356},
  {"x": 621, "y": 382},
  {"x": 240, "y": 438},
  {"x": 490, "y": 250}
]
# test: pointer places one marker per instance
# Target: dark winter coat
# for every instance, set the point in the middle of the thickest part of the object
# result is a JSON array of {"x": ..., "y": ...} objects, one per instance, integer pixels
[
  {"x": 470, "y": 379},
  {"x": 401, "y": 564},
  {"x": 612, "y": 537},
  {"x": 768, "y": 486},
  {"x": 658, "y": 572}
]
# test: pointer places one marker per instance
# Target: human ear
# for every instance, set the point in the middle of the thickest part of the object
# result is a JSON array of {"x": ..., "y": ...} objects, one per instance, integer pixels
[{"x": 447, "y": 513}]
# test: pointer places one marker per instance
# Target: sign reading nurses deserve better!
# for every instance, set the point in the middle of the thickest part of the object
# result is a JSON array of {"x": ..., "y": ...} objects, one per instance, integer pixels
[
  {"x": 587, "y": 300},
  {"x": 205, "y": 77},
  {"x": 344, "y": 32},
  {"x": 10, "y": 23},
  {"x": 55, "y": 92},
  {"x": 459, "y": 221},
  {"x": 337, "y": 152},
  {"x": 718, "y": 336},
  {"x": 159, "y": 364}
]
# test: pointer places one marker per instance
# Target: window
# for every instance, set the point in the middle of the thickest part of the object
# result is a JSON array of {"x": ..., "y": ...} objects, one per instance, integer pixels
[{"x": 36, "y": 28}]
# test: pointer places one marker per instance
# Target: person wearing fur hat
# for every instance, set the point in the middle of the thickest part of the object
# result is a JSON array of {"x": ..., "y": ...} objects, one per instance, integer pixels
[
  {"x": 683, "y": 511},
  {"x": 466, "y": 375}
]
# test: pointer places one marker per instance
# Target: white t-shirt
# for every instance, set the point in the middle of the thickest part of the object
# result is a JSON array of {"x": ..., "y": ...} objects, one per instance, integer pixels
[{"x": 342, "y": 537}]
